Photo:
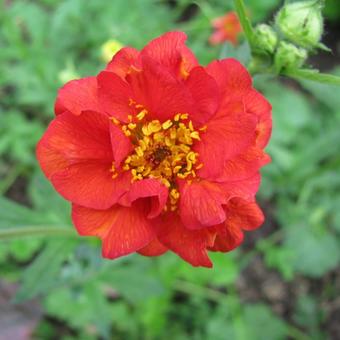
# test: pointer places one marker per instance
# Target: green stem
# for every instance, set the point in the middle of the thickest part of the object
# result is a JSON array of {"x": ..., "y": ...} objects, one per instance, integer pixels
[
  {"x": 35, "y": 230},
  {"x": 244, "y": 20}
]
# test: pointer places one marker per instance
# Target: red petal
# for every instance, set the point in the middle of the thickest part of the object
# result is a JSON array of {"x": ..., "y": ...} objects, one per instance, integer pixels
[
  {"x": 246, "y": 188},
  {"x": 170, "y": 51},
  {"x": 70, "y": 139},
  {"x": 114, "y": 96},
  {"x": 201, "y": 204},
  {"x": 121, "y": 145},
  {"x": 90, "y": 184},
  {"x": 190, "y": 245},
  {"x": 225, "y": 138},
  {"x": 244, "y": 214},
  {"x": 217, "y": 37},
  {"x": 75, "y": 154},
  {"x": 122, "y": 230},
  {"x": 255, "y": 103},
  {"x": 244, "y": 165},
  {"x": 228, "y": 240},
  {"x": 154, "y": 248},
  {"x": 149, "y": 188},
  {"x": 77, "y": 96},
  {"x": 159, "y": 92},
  {"x": 205, "y": 93},
  {"x": 241, "y": 214},
  {"x": 231, "y": 76},
  {"x": 122, "y": 61}
]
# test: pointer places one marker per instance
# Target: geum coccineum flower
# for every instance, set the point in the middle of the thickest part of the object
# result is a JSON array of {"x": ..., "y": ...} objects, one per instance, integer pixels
[
  {"x": 158, "y": 153},
  {"x": 226, "y": 28}
]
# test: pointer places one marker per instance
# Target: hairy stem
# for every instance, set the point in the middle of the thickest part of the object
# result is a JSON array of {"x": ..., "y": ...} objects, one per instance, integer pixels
[{"x": 25, "y": 231}]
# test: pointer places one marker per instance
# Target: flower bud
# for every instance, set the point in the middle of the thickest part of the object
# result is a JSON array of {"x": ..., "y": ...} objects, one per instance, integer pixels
[
  {"x": 265, "y": 39},
  {"x": 109, "y": 49},
  {"x": 288, "y": 56},
  {"x": 301, "y": 22}
]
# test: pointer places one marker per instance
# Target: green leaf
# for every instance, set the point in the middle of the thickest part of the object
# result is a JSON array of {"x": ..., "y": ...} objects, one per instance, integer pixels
[
  {"x": 13, "y": 214},
  {"x": 327, "y": 94},
  {"x": 81, "y": 306},
  {"x": 315, "y": 251},
  {"x": 241, "y": 52},
  {"x": 18, "y": 221},
  {"x": 42, "y": 274},
  {"x": 125, "y": 279},
  {"x": 261, "y": 323},
  {"x": 55, "y": 208},
  {"x": 313, "y": 75}
]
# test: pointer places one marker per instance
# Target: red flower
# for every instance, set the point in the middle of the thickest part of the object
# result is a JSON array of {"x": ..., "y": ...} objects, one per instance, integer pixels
[
  {"x": 157, "y": 153},
  {"x": 227, "y": 28}
]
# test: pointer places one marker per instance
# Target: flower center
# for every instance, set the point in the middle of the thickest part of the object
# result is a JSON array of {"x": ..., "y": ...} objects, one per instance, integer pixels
[{"x": 162, "y": 151}]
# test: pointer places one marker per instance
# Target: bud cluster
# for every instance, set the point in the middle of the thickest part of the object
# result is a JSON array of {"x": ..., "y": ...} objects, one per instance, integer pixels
[{"x": 297, "y": 31}]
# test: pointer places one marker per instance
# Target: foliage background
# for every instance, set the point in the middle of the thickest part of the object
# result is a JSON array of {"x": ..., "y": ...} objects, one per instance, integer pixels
[{"x": 284, "y": 282}]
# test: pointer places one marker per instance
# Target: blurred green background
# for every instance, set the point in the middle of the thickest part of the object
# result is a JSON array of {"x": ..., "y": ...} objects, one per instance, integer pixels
[{"x": 282, "y": 283}]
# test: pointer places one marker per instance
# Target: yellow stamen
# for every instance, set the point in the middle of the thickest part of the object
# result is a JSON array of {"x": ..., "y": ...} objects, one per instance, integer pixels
[
  {"x": 162, "y": 151},
  {"x": 141, "y": 114},
  {"x": 167, "y": 124},
  {"x": 115, "y": 120}
]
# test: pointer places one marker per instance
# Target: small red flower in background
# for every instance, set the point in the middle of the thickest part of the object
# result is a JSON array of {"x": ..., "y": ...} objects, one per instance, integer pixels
[
  {"x": 158, "y": 153},
  {"x": 227, "y": 28}
]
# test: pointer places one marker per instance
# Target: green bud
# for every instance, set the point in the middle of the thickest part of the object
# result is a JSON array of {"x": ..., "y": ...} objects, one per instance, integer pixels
[
  {"x": 301, "y": 22},
  {"x": 288, "y": 56},
  {"x": 265, "y": 38}
]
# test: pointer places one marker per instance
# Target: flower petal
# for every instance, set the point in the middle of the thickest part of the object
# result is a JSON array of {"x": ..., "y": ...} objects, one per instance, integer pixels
[
  {"x": 231, "y": 76},
  {"x": 241, "y": 214},
  {"x": 201, "y": 204},
  {"x": 75, "y": 154},
  {"x": 245, "y": 188},
  {"x": 154, "y": 248},
  {"x": 159, "y": 92},
  {"x": 228, "y": 239},
  {"x": 218, "y": 37},
  {"x": 121, "y": 144},
  {"x": 255, "y": 103},
  {"x": 244, "y": 214},
  {"x": 90, "y": 184},
  {"x": 205, "y": 93},
  {"x": 122, "y": 230},
  {"x": 225, "y": 138},
  {"x": 77, "y": 96},
  {"x": 244, "y": 165},
  {"x": 190, "y": 245},
  {"x": 152, "y": 188},
  {"x": 170, "y": 51},
  {"x": 70, "y": 139},
  {"x": 122, "y": 61},
  {"x": 114, "y": 96}
]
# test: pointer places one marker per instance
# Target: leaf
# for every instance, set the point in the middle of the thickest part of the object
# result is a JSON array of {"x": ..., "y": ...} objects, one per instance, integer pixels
[
  {"x": 225, "y": 270},
  {"x": 81, "y": 306},
  {"x": 313, "y": 75},
  {"x": 134, "y": 280},
  {"x": 55, "y": 208},
  {"x": 42, "y": 274},
  {"x": 261, "y": 323},
  {"x": 327, "y": 94},
  {"x": 241, "y": 52},
  {"x": 315, "y": 252},
  {"x": 18, "y": 221},
  {"x": 308, "y": 314}
]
